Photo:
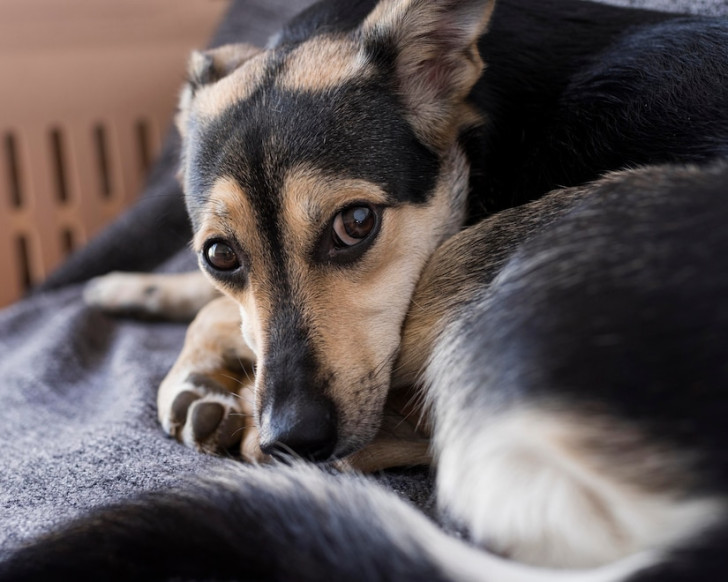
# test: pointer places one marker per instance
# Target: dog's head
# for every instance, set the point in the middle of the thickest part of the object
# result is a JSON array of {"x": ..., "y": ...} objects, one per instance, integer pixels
[{"x": 320, "y": 175}]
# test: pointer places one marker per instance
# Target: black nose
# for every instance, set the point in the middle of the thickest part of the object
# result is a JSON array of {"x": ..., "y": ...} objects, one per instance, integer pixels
[{"x": 305, "y": 428}]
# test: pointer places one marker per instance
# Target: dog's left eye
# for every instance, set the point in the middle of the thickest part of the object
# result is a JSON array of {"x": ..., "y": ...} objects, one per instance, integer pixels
[
  {"x": 352, "y": 225},
  {"x": 349, "y": 234}
]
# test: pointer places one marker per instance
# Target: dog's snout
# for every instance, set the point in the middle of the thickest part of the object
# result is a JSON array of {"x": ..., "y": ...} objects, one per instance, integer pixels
[{"x": 306, "y": 428}]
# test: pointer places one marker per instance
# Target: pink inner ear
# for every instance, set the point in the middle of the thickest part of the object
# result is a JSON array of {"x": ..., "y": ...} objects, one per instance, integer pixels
[
  {"x": 438, "y": 74},
  {"x": 449, "y": 41},
  {"x": 458, "y": 27},
  {"x": 451, "y": 36},
  {"x": 437, "y": 62}
]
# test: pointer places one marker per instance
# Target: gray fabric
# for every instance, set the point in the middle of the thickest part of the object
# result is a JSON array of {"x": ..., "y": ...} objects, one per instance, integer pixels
[
  {"x": 707, "y": 7},
  {"x": 77, "y": 389}
]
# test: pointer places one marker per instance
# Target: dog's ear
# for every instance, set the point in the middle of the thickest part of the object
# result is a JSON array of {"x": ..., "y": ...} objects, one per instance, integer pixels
[
  {"x": 209, "y": 66},
  {"x": 432, "y": 47},
  {"x": 205, "y": 67}
]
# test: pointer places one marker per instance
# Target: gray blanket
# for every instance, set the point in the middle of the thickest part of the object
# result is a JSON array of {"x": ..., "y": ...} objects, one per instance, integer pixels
[{"x": 77, "y": 388}]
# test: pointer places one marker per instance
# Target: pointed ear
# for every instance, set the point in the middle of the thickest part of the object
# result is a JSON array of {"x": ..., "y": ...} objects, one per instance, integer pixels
[
  {"x": 207, "y": 67},
  {"x": 432, "y": 46}
]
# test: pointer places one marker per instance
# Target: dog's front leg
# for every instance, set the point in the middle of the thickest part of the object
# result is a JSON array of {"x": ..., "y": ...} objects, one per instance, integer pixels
[
  {"x": 206, "y": 400},
  {"x": 178, "y": 296}
]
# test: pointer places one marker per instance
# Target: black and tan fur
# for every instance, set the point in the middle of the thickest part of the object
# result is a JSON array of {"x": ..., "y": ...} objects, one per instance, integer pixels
[{"x": 546, "y": 266}]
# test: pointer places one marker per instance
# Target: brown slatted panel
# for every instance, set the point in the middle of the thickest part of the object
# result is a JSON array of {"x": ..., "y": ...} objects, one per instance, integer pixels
[{"x": 99, "y": 84}]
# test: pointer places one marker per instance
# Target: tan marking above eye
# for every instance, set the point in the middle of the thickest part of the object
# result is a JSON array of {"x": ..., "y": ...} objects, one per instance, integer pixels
[
  {"x": 312, "y": 198},
  {"x": 211, "y": 100},
  {"x": 323, "y": 63},
  {"x": 225, "y": 215}
]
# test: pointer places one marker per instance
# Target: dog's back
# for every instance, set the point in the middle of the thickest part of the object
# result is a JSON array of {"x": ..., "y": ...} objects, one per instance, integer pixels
[
  {"x": 593, "y": 358},
  {"x": 615, "y": 88}
]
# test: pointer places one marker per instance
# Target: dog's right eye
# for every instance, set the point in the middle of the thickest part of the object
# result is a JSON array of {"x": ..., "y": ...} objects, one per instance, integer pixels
[{"x": 220, "y": 256}]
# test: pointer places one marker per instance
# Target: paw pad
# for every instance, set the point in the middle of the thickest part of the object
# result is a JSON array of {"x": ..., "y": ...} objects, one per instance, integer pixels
[
  {"x": 205, "y": 419},
  {"x": 181, "y": 405},
  {"x": 205, "y": 416}
]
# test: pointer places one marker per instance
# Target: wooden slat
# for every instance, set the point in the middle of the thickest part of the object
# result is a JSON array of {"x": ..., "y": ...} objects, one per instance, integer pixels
[
  {"x": 11, "y": 287},
  {"x": 87, "y": 203},
  {"x": 130, "y": 170}
]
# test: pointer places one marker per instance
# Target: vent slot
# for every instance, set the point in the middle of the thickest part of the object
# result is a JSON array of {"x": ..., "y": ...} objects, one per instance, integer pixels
[
  {"x": 68, "y": 241},
  {"x": 58, "y": 160},
  {"x": 102, "y": 160},
  {"x": 15, "y": 188},
  {"x": 144, "y": 145},
  {"x": 24, "y": 271}
]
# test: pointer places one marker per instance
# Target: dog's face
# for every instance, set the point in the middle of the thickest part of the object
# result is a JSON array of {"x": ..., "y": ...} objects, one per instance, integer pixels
[{"x": 320, "y": 176}]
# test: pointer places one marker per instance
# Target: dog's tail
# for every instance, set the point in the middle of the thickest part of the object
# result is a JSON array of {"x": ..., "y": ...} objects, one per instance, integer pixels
[{"x": 280, "y": 523}]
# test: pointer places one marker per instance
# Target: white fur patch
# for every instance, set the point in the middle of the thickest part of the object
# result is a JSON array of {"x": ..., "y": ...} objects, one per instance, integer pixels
[{"x": 523, "y": 494}]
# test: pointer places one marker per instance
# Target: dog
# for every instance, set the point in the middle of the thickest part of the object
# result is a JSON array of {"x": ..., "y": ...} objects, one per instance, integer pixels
[{"x": 490, "y": 232}]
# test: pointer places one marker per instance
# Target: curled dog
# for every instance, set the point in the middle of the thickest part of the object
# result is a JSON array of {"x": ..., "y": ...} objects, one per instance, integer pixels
[{"x": 427, "y": 193}]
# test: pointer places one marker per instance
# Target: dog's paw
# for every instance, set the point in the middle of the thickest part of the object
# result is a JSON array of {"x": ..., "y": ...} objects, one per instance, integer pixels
[
  {"x": 178, "y": 296},
  {"x": 119, "y": 293},
  {"x": 205, "y": 415},
  {"x": 206, "y": 401}
]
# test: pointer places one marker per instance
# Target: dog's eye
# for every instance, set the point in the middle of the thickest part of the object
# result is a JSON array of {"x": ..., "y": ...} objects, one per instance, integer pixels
[
  {"x": 350, "y": 234},
  {"x": 220, "y": 256},
  {"x": 352, "y": 225}
]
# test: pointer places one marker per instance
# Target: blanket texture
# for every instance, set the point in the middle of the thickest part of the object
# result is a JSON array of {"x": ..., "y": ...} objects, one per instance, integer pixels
[{"x": 78, "y": 421}]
